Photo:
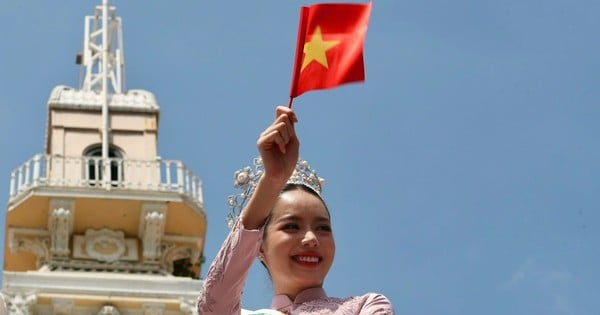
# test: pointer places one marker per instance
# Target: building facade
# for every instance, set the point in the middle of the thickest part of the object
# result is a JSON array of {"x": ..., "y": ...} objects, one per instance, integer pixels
[{"x": 99, "y": 223}]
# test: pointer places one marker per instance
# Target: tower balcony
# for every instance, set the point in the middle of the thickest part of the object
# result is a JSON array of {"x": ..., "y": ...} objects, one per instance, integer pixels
[{"x": 116, "y": 178}]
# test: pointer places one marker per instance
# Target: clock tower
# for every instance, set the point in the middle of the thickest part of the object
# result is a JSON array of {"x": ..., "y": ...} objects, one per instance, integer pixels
[{"x": 99, "y": 223}]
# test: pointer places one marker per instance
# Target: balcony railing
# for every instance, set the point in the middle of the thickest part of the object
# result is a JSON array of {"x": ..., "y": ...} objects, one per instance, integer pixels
[{"x": 121, "y": 174}]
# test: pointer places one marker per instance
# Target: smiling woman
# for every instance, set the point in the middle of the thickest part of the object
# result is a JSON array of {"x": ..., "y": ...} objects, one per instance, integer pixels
[
  {"x": 287, "y": 225},
  {"x": 298, "y": 246}
]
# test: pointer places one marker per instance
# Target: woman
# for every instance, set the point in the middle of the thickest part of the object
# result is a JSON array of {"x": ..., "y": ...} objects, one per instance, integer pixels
[{"x": 287, "y": 226}]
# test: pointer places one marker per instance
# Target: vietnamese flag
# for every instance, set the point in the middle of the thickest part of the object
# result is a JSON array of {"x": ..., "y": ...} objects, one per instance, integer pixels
[{"x": 329, "y": 51}]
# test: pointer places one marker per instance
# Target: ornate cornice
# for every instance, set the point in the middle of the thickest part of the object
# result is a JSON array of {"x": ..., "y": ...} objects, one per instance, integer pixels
[
  {"x": 35, "y": 241},
  {"x": 104, "y": 284}
]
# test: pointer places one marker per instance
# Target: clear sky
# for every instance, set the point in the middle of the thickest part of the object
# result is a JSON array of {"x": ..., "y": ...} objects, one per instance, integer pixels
[{"x": 463, "y": 176}]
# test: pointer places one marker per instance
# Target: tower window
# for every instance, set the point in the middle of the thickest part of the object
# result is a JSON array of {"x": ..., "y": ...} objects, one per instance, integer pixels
[{"x": 93, "y": 162}]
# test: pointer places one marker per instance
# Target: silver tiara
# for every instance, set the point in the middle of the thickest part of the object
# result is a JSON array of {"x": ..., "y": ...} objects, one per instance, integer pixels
[{"x": 247, "y": 178}]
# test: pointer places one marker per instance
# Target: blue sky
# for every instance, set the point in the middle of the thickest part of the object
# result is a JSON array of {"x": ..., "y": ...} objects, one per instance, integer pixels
[{"x": 463, "y": 176}]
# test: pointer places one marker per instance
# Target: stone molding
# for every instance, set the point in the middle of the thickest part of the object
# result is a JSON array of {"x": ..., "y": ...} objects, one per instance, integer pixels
[
  {"x": 106, "y": 245},
  {"x": 62, "y": 306},
  {"x": 188, "y": 307},
  {"x": 35, "y": 241},
  {"x": 20, "y": 303},
  {"x": 90, "y": 248},
  {"x": 105, "y": 284},
  {"x": 109, "y": 310},
  {"x": 86, "y": 253},
  {"x": 152, "y": 229},
  {"x": 153, "y": 309},
  {"x": 60, "y": 226}
]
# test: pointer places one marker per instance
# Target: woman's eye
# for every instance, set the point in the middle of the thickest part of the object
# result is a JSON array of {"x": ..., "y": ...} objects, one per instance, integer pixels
[
  {"x": 290, "y": 226},
  {"x": 326, "y": 228}
]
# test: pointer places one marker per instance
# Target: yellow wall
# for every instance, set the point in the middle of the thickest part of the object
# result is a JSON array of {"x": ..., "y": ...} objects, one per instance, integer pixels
[{"x": 97, "y": 213}]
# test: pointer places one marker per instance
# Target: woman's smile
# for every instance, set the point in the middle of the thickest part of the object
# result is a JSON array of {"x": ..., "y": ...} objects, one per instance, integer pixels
[{"x": 307, "y": 259}]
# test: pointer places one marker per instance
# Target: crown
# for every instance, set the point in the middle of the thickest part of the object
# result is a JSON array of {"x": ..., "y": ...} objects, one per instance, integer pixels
[{"x": 247, "y": 178}]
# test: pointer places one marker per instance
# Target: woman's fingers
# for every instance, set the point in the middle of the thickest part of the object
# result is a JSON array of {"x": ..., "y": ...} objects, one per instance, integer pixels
[
  {"x": 291, "y": 118},
  {"x": 280, "y": 110},
  {"x": 279, "y": 140},
  {"x": 278, "y": 145},
  {"x": 274, "y": 135},
  {"x": 283, "y": 125},
  {"x": 281, "y": 130},
  {"x": 281, "y": 133},
  {"x": 289, "y": 130}
]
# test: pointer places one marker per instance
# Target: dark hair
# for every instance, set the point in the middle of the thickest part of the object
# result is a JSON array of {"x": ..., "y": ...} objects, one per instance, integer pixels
[{"x": 291, "y": 187}]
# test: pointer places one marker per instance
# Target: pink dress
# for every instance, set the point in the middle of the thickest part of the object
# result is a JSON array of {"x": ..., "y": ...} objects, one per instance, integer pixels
[{"x": 227, "y": 274}]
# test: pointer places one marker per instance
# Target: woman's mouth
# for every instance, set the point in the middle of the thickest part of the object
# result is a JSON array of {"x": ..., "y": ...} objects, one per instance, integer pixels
[{"x": 307, "y": 260}]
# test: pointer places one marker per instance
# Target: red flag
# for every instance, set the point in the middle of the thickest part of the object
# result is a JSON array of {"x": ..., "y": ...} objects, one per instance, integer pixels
[{"x": 330, "y": 46}]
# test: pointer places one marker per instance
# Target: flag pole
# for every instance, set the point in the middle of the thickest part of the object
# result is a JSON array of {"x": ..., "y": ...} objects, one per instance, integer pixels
[{"x": 299, "y": 53}]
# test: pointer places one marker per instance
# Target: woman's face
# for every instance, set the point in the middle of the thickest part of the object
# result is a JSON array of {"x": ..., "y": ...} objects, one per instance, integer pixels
[{"x": 298, "y": 248}]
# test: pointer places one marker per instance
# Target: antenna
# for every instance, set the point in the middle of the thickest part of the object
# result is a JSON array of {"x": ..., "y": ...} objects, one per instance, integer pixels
[
  {"x": 103, "y": 60},
  {"x": 103, "y": 31}
]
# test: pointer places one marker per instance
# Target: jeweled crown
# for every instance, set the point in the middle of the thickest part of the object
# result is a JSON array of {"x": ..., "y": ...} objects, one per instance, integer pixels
[{"x": 247, "y": 178}]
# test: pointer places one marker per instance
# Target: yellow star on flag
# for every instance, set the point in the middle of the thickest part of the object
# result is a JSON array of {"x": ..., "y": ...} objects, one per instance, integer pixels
[{"x": 316, "y": 49}]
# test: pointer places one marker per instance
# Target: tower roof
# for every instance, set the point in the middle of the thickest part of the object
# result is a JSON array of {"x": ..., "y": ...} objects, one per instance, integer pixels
[{"x": 63, "y": 96}]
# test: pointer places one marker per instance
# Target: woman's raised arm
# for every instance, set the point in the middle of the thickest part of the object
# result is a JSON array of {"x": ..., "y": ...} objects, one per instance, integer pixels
[{"x": 278, "y": 146}]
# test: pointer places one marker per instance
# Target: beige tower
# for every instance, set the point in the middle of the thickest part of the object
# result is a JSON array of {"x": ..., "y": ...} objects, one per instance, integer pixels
[{"x": 99, "y": 223}]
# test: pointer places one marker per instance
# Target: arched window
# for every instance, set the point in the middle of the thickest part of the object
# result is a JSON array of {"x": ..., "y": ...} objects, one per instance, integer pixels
[{"x": 93, "y": 169}]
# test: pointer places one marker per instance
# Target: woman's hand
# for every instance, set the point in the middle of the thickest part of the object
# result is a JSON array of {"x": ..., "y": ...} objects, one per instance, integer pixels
[{"x": 278, "y": 147}]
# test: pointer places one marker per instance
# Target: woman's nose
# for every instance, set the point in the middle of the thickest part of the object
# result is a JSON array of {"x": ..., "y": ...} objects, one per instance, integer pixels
[{"x": 310, "y": 239}]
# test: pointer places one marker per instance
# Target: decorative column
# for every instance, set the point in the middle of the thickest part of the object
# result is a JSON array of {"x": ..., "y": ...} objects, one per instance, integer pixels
[
  {"x": 108, "y": 310},
  {"x": 60, "y": 226},
  {"x": 151, "y": 230}
]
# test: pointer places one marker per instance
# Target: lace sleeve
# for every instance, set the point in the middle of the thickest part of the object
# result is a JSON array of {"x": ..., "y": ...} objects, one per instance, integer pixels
[
  {"x": 377, "y": 304},
  {"x": 222, "y": 290}
]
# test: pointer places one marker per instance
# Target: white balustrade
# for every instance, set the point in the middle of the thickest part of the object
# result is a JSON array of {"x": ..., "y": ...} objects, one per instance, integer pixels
[{"x": 58, "y": 171}]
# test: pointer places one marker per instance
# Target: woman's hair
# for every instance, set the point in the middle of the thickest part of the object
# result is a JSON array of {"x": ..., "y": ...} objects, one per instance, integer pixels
[{"x": 292, "y": 187}]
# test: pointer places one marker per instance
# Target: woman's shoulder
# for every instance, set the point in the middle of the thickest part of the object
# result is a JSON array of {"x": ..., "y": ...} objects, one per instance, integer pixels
[
  {"x": 375, "y": 303},
  {"x": 374, "y": 296}
]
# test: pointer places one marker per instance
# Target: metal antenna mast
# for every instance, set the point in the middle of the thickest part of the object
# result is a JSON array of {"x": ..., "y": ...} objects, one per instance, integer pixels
[
  {"x": 104, "y": 75},
  {"x": 104, "y": 63}
]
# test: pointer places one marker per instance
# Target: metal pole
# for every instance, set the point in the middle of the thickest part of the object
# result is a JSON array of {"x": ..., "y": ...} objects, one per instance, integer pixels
[{"x": 105, "y": 118}]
